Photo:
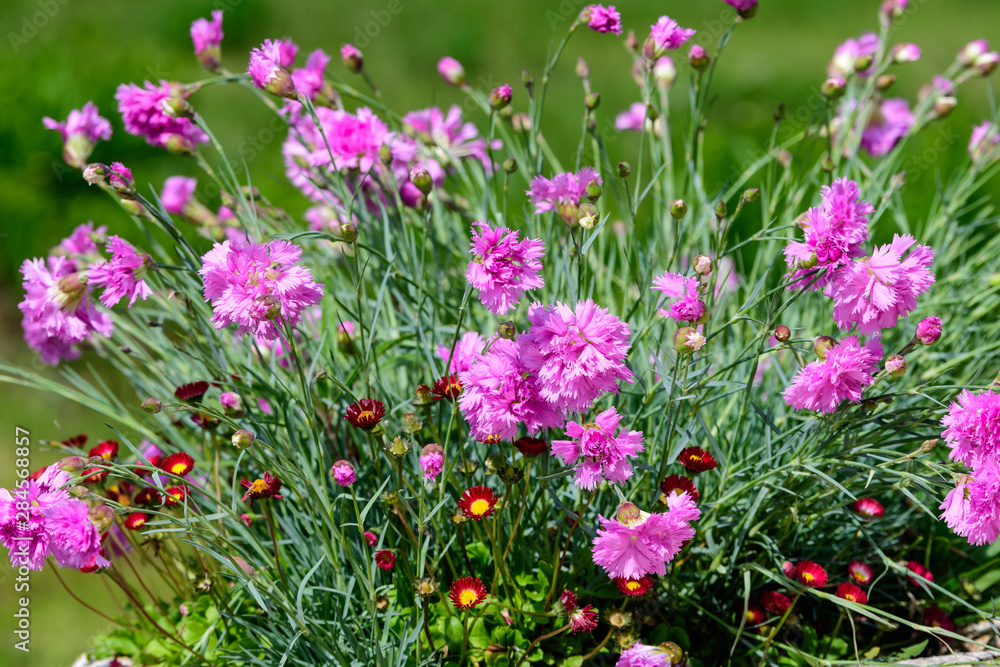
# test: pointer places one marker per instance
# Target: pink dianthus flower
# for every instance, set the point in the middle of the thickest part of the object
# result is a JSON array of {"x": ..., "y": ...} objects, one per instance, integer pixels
[
  {"x": 575, "y": 354},
  {"x": 887, "y": 126},
  {"x": 457, "y": 139},
  {"x": 80, "y": 133},
  {"x": 972, "y": 508},
  {"x": 143, "y": 115},
  {"x": 972, "y": 428},
  {"x": 847, "y": 53},
  {"x": 667, "y": 35},
  {"x": 23, "y": 532},
  {"x": 431, "y": 461},
  {"x": 643, "y": 655},
  {"x": 121, "y": 276},
  {"x": 268, "y": 66},
  {"x": 73, "y": 538},
  {"x": 84, "y": 240},
  {"x": 633, "y": 120},
  {"x": 688, "y": 307},
  {"x": 602, "y": 19},
  {"x": 308, "y": 80},
  {"x": 502, "y": 267},
  {"x": 637, "y": 543},
  {"x": 984, "y": 140},
  {"x": 822, "y": 385},
  {"x": 562, "y": 190},
  {"x": 604, "y": 455},
  {"x": 207, "y": 35},
  {"x": 468, "y": 350}
]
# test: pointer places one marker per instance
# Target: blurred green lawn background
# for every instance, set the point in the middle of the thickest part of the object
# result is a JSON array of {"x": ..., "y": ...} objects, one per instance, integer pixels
[{"x": 58, "y": 54}]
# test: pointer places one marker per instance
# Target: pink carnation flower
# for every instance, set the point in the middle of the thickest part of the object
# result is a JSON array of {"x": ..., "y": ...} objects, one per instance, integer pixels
[
  {"x": 688, "y": 307},
  {"x": 667, "y": 35},
  {"x": 206, "y": 34},
  {"x": 496, "y": 396},
  {"x": 604, "y": 455},
  {"x": 742, "y": 5},
  {"x": 57, "y": 310},
  {"x": 847, "y": 53},
  {"x": 566, "y": 189},
  {"x": 27, "y": 540},
  {"x": 343, "y": 473},
  {"x": 268, "y": 66},
  {"x": 874, "y": 293},
  {"x": 502, "y": 267},
  {"x": 457, "y": 139},
  {"x": 821, "y": 385},
  {"x": 972, "y": 428},
  {"x": 602, "y": 19},
  {"x": 84, "y": 240},
  {"x": 142, "y": 113},
  {"x": 309, "y": 80},
  {"x": 887, "y": 126},
  {"x": 575, "y": 354},
  {"x": 972, "y": 508},
  {"x": 637, "y": 543},
  {"x": 632, "y": 120},
  {"x": 73, "y": 538},
  {"x": 431, "y": 461},
  {"x": 984, "y": 140},
  {"x": 643, "y": 655},
  {"x": 257, "y": 286},
  {"x": 177, "y": 193},
  {"x": 122, "y": 276},
  {"x": 451, "y": 71},
  {"x": 80, "y": 133},
  {"x": 468, "y": 350}
]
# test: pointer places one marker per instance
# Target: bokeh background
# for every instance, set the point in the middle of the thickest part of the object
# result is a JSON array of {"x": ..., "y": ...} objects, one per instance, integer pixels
[{"x": 58, "y": 54}]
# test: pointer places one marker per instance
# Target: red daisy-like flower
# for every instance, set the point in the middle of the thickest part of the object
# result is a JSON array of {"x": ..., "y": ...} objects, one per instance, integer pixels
[
  {"x": 935, "y": 618},
  {"x": 918, "y": 569},
  {"x": 385, "y": 559},
  {"x": 147, "y": 496},
  {"x": 136, "y": 520},
  {"x": 529, "y": 446},
  {"x": 478, "y": 502},
  {"x": 852, "y": 593},
  {"x": 775, "y": 602},
  {"x": 467, "y": 592},
  {"x": 811, "y": 574},
  {"x": 121, "y": 493},
  {"x": 491, "y": 439},
  {"x": 76, "y": 442},
  {"x": 192, "y": 392},
  {"x": 174, "y": 496},
  {"x": 365, "y": 414},
  {"x": 755, "y": 615},
  {"x": 860, "y": 573},
  {"x": 268, "y": 487},
  {"x": 149, "y": 465},
  {"x": 178, "y": 463},
  {"x": 448, "y": 387},
  {"x": 678, "y": 484},
  {"x": 869, "y": 508},
  {"x": 583, "y": 619},
  {"x": 634, "y": 587},
  {"x": 94, "y": 476},
  {"x": 697, "y": 459},
  {"x": 568, "y": 600},
  {"x": 107, "y": 450}
]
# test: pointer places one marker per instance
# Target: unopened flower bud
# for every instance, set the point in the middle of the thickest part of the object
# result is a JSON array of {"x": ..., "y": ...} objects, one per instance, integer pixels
[
  {"x": 509, "y": 474},
  {"x": 507, "y": 330},
  {"x": 967, "y": 56},
  {"x": 631, "y": 41},
  {"x": 784, "y": 158},
  {"x": 720, "y": 210},
  {"x": 885, "y": 82},
  {"x": 321, "y": 375},
  {"x": 833, "y": 88},
  {"x": 664, "y": 72},
  {"x": 674, "y": 653},
  {"x": 678, "y": 209},
  {"x": 592, "y": 101},
  {"x": 381, "y": 602},
  {"x": 929, "y": 331},
  {"x": 177, "y": 107},
  {"x": 828, "y": 164},
  {"x": 628, "y": 514},
  {"x": 568, "y": 212},
  {"x": 425, "y": 587},
  {"x": 179, "y": 145},
  {"x": 862, "y": 63},
  {"x": 928, "y": 445},
  {"x": 265, "y": 308},
  {"x": 527, "y": 80},
  {"x": 451, "y": 71},
  {"x": 895, "y": 365},
  {"x": 822, "y": 345},
  {"x": 582, "y": 69},
  {"x": 510, "y": 165},
  {"x": 698, "y": 58},
  {"x": 751, "y": 195},
  {"x": 588, "y": 216},
  {"x": 102, "y": 517},
  {"x": 782, "y": 333},
  {"x": 242, "y": 439},
  {"x": 351, "y": 56},
  {"x": 593, "y": 190},
  {"x": 95, "y": 173},
  {"x": 349, "y": 232},
  {"x": 892, "y": 9},
  {"x": 703, "y": 265},
  {"x": 944, "y": 105},
  {"x": 424, "y": 395},
  {"x": 986, "y": 63},
  {"x": 905, "y": 53},
  {"x": 624, "y": 169},
  {"x": 688, "y": 340},
  {"x": 500, "y": 97},
  {"x": 152, "y": 406},
  {"x": 421, "y": 178},
  {"x": 72, "y": 464}
]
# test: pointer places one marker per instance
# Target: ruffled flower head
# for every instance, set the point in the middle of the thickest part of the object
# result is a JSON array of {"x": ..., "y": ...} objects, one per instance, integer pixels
[
  {"x": 143, "y": 115},
  {"x": 874, "y": 293},
  {"x": 636, "y": 543},
  {"x": 983, "y": 142},
  {"x": 308, "y": 80},
  {"x": 468, "y": 350},
  {"x": 121, "y": 276},
  {"x": 688, "y": 307},
  {"x": 257, "y": 286},
  {"x": 602, "y": 19},
  {"x": 643, "y": 655},
  {"x": 503, "y": 267},
  {"x": 207, "y": 38},
  {"x": 343, "y": 473},
  {"x": 597, "y": 451},
  {"x": 822, "y": 385},
  {"x": 847, "y": 53},
  {"x": 432, "y": 461},
  {"x": 563, "y": 192},
  {"x": 575, "y": 354},
  {"x": 972, "y": 428},
  {"x": 890, "y": 123},
  {"x": 449, "y": 134},
  {"x": 80, "y": 133},
  {"x": 268, "y": 66},
  {"x": 23, "y": 532},
  {"x": 665, "y": 35},
  {"x": 972, "y": 508},
  {"x": 73, "y": 538}
]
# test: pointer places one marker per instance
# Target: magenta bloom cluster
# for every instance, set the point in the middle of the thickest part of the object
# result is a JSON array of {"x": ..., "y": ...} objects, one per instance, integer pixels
[
  {"x": 142, "y": 111},
  {"x": 597, "y": 452},
  {"x": 637, "y": 543},
  {"x": 503, "y": 267},
  {"x": 561, "y": 190},
  {"x": 823, "y": 385}
]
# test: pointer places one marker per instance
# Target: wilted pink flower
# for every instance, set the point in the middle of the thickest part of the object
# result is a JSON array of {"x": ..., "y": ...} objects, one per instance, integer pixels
[
  {"x": 887, "y": 126},
  {"x": 73, "y": 537},
  {"x": 874, "y": 293},
  {"x": 257, "y": 286},
  {"x": 972, "y": 428},
  {"x": 929, "y": 330},
  {"x": 634, "y": 119},
  {"x": 496, "y": 396},
  {"x": 268, "y": 67},
  {"x": 343, "y": 473},
  {"x": 207, "y": 37},
  {"x": 80, "y": 133},
  {"x": 468, "y": 350},
  {"x": 583, "y": 619},
  {"x": 561, "y": 191},
  {"x": 666, "y": 35},
  {"x": 451, "y": 71},
  {"x": 575, "y": 354},
  {"x": 143, "y": 115},
  {"x": 121, "y": 276},
  {"x": 309, "y": 80},
  {"x": 822, "y": 385},
  {"x": 972, "y": 508},
  {"x": 602, "y": 19},
  {"x": 637, "y": 543},
  {"x": 847, "y": 53},
  {"x": 984, "y": 140},
  {"x": 431, "y": 461},
  {"x": 597, "y": 452},
  {"x": 57, "y": 310},
  {"x": 688, "y": 307},
  {"x": 502, "y": 267},
  {"x": 448, "y": 132}
]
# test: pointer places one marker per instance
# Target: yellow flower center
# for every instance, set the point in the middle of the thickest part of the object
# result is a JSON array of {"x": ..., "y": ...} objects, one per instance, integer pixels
[
  {"x": 178, "y": 468},
  {"x": 468, "y": 596},
  {"x": 479, "y": 508},
  {"x": 808, "y": 576},
  {"x": 259, "y": 486},
  {"x": 850, "y": 597},
  {"x": 632, "y": 585}
]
